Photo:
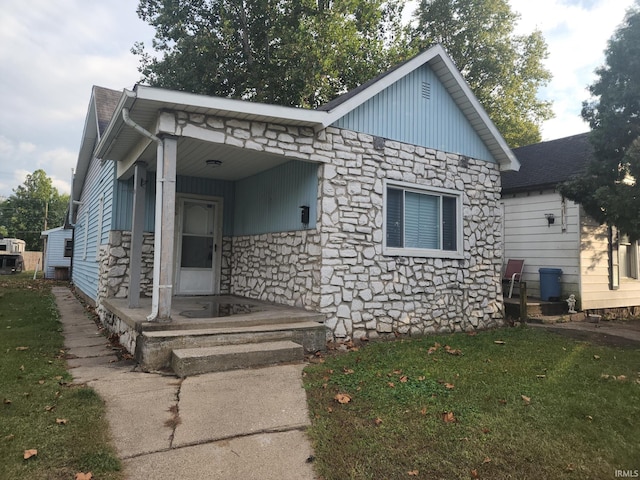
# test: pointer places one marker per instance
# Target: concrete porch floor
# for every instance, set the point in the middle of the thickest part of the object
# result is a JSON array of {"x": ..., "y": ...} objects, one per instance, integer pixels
[
  {"x": 197, "y": 312},
  {"x": 201, "y": 324}
]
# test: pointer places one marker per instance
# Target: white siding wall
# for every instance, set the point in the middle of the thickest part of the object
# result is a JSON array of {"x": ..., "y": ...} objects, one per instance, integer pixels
[
  {"x": 594, "y": 267},
  {"x": 54, "y": 256},
  {"x": 528, "y": 235}
]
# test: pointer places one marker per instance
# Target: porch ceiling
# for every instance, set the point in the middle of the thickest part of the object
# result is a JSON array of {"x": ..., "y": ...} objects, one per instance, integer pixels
[{"x": 237, "y": 162}]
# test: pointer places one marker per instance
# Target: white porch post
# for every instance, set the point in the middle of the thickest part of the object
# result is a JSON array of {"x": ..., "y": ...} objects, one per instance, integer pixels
[
  {"x": 164, "y": 269},
  {"x": 137, "y": 226}
]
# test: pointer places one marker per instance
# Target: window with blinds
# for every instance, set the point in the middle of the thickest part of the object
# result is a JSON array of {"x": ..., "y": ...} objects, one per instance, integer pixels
[{"x": 421, "y": 222}]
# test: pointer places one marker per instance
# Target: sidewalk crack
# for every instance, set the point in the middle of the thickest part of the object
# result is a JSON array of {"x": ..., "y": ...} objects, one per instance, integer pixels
[{"x": 174, "y": 409}]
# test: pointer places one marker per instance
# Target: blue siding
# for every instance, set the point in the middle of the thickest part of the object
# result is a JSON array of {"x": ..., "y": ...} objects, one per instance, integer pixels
[
  {"x": 185, "y": 185},
  {"x": 98, "y": 183},
  {"x": 271, "y": 200},
  {"x": 400, "y": 112}
]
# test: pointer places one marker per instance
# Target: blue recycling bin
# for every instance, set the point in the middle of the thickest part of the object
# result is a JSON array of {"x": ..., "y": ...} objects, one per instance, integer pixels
[{"x": 550, "y": 284}]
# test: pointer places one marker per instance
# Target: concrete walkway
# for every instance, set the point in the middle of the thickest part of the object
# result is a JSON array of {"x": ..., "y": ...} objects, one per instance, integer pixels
[
  {"x": 617, "y": 332},
  {"x": 247, "y": 424}
]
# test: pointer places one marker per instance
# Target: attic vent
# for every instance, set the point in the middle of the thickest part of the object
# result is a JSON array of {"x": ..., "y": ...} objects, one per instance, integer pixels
[{"x": 426, "y": 90}]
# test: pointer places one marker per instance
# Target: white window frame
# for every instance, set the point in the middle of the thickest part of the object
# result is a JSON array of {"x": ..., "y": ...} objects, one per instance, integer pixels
[
  {"x": 85, "y": 240},
  {"x": 423, "y": 252},
  {"x": 99, "y": 226},
  {"x": 627, "y": 264}
]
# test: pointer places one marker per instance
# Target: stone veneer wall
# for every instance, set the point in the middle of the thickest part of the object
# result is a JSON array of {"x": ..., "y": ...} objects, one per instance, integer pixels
[
  {"x": 365, "y": 293},
  {"x": 341, "y": 269},
  {"x": 278, "y": 267}
]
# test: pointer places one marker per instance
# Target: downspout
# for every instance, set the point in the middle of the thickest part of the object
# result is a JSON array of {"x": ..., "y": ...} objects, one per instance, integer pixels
[{"x": 157, "y": 237}]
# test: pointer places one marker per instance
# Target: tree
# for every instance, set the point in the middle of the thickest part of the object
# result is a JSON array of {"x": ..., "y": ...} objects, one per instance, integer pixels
[
  {"x": 34, "y": 206},
  {"x": 608, "y": 190},
  {"x": 504, "y": 70},
  {"x": 286, "y": 52}
]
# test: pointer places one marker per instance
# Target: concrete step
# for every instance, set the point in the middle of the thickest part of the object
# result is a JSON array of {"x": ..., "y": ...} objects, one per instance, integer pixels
[
  {"x": 193, "y": 361},
  {"x": 154, "y": 348}
]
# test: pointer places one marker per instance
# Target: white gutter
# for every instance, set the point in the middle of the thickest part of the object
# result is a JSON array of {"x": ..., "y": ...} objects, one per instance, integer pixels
[{"x": 157, "y": 237}]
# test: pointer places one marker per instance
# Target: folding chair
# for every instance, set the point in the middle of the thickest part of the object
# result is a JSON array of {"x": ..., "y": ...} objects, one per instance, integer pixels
[{"x": 512, "y": 273}]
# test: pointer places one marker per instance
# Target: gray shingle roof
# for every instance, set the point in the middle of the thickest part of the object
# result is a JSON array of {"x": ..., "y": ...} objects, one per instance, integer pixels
[
  {"x": 545, "y": 164},
  {"x": 106, "y": 103}
]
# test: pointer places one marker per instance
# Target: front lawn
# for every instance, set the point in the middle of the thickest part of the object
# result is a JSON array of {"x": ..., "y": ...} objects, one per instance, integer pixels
[
  {"x": 516, "y": 403},
  {"x": 42, "y": 410}
]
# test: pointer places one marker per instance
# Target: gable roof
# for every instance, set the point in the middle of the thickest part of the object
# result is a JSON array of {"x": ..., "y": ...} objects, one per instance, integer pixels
[
  {"x": 105, "y": 123},
  {"x": 442, "y": 65},
  {"x": 102, "y": 104},
  {"x": 546, "y": 164}
]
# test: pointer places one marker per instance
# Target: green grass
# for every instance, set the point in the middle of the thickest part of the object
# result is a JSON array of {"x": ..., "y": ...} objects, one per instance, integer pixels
[
  {"x": 576, "y": 424},
  {"x": 36, "y": 390}
]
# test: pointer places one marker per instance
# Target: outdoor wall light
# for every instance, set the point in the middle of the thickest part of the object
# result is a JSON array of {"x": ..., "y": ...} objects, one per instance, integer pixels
[
  {"x": 550, "y": 218},
  {"x": 213, "y": 163}
]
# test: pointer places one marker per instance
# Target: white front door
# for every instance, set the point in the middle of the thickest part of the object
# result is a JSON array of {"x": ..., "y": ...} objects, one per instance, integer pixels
[{"x": 197, "y": 247}]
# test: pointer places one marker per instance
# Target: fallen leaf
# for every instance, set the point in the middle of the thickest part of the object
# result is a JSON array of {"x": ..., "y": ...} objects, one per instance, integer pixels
[
  {"x": 452, "y": 351},
  {"x": 347, "y": 371},
  {"x": 448, "y": 417},
  {"x": 61, "y": 421},
  {"x": 404, "y": 379},
  {"x": 527, "y": 400},
  {"x": 21, "y": 349},
  {"x": 41, "y": 382},
  {"x": 6, "y": 401},
  {"x": 421, "y": 378},
  {"x": 8, "y": 438},
  {"x": 378, "y": 421},
  {"x": 596, "y": 357},
  {"x": 449, "y": 386},
  {"x": 621, "y": 378},
  {"x": 541, "y": 376},
  {"x": 424, "y": 411},
  {"x": 84, "y": 476},
  {"x": 474, "y": 473},
  {"x": 342, "y": 398},
  {"x": 397, "y": 372},
  {"x": 502, "y": 401},
  {"x": 30, "y": 453},
  {"x": 589, "y": 417},
  {"x": 413, "y": 473},
  {"x": 499, "y": 342},
  {"x": 485, "y": 430},
  {"x": 49, "y": 408},
  {"x": 486, "y": 460}
]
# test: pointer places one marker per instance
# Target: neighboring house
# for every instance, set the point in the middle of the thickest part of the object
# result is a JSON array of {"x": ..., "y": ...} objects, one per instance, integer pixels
[
  {"x": 599, "y": 265},
  {"x": 380, "y": 210},
  {"x": 58, "y": 248}
]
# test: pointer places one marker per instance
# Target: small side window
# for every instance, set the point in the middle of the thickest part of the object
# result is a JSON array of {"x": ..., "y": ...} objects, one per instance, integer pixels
[{"x": 68, "y": 248}]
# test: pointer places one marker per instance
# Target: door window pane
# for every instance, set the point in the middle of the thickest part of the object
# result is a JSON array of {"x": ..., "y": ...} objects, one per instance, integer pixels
[{"x": 197, "y": 252}]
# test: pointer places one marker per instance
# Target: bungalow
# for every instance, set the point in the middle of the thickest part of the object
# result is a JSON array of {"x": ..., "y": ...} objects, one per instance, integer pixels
[
  {"x": 599, "y": 264},
  {"x": 379, "y": 210}
]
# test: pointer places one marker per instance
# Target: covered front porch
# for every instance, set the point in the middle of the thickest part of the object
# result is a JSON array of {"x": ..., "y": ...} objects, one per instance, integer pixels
[
  {"x": 200, "y": 323},
  {"x": 229, "y": 199}
]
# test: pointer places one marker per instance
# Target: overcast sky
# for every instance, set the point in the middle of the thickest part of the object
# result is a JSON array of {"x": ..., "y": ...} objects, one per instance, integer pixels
[{"x": 52, "y": 52}]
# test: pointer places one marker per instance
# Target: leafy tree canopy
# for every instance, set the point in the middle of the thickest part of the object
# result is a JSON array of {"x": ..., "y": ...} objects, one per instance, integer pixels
[
  {"x": 609, "y": 190},
  {"x": 504, "y": 70},
  {"x": 306, "y": 52},
  {"x": 33, "y": 204},
  {"x": 285, "y": 52}
]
